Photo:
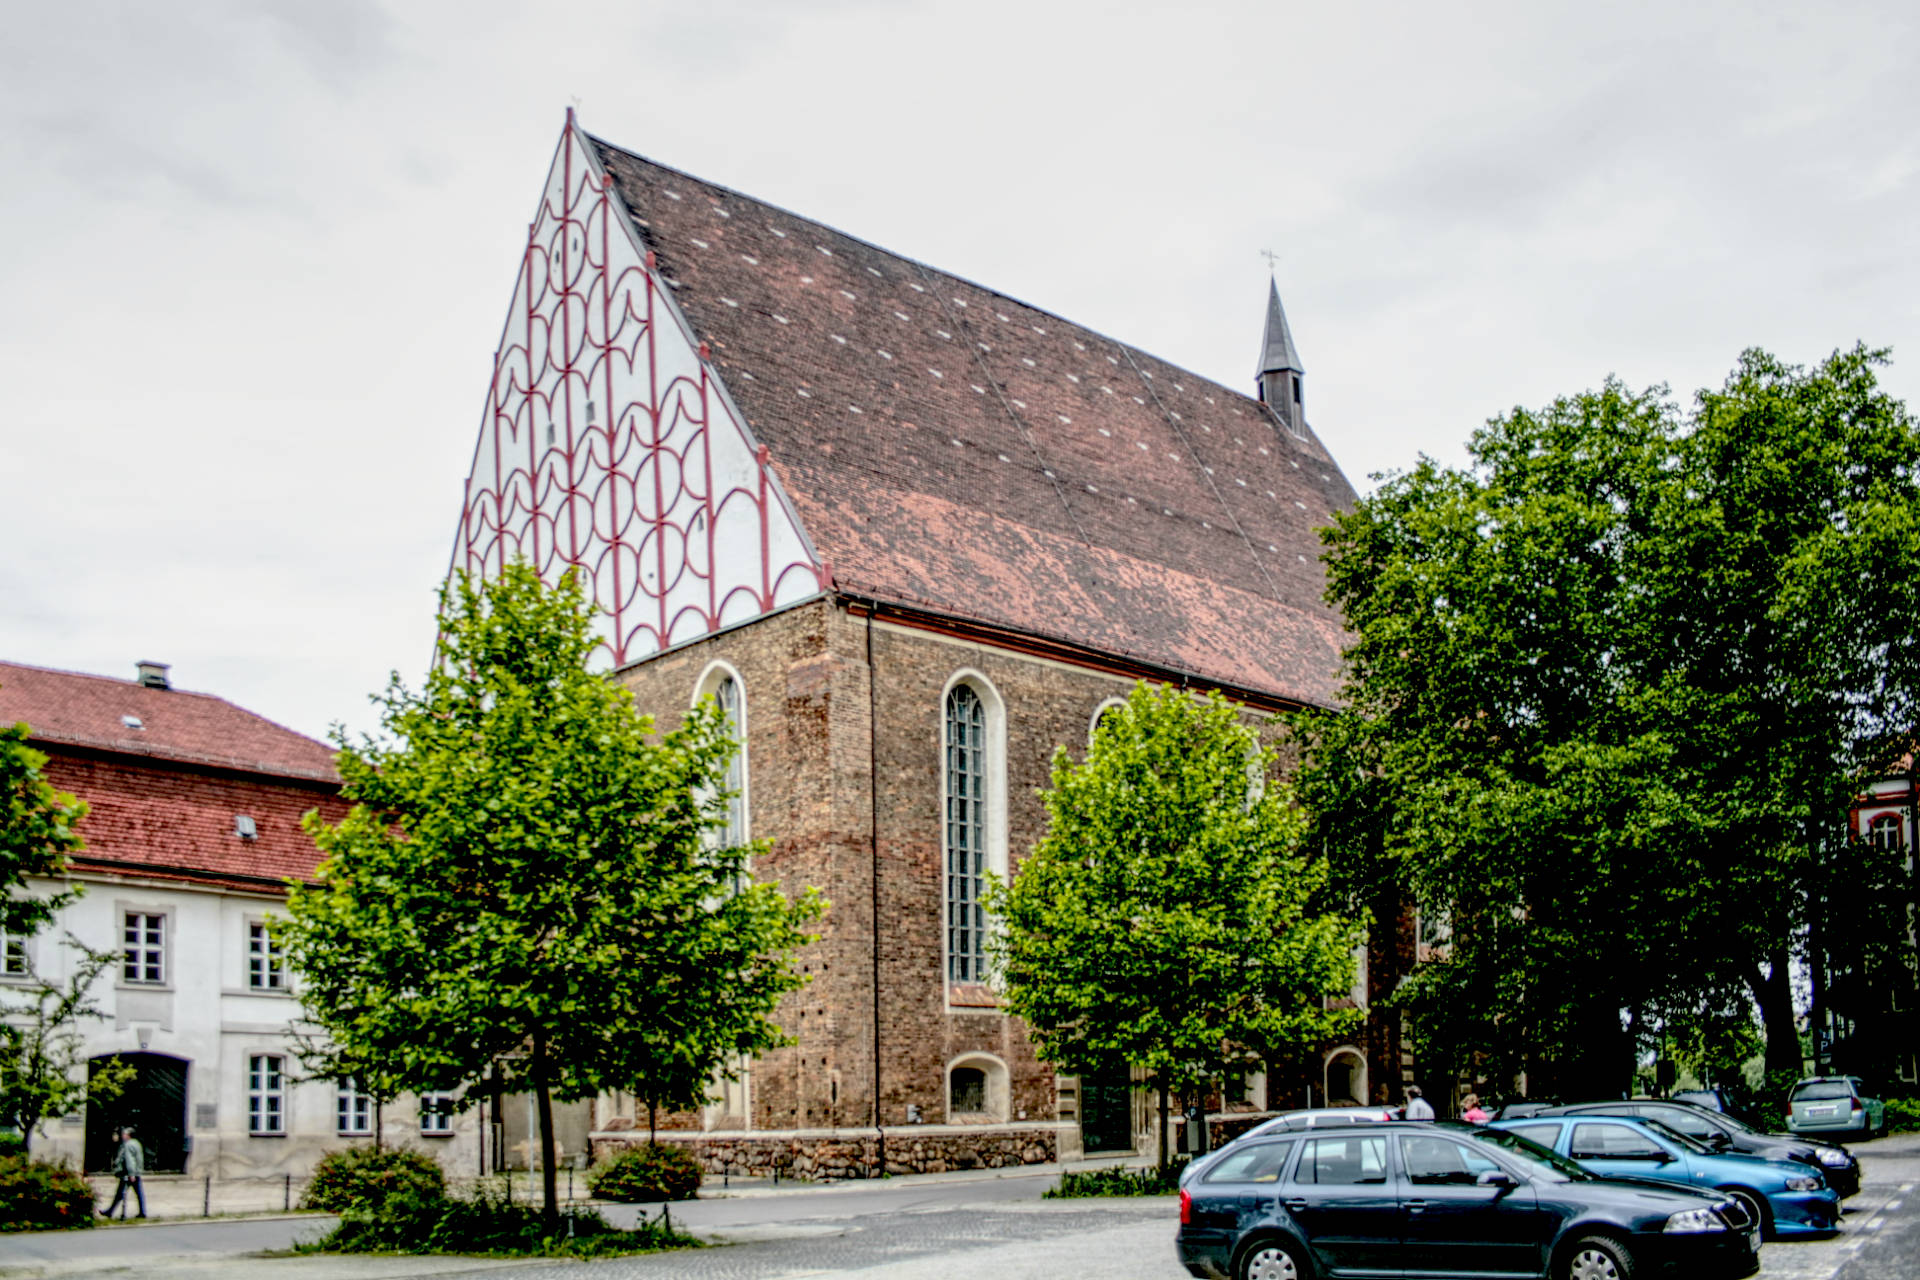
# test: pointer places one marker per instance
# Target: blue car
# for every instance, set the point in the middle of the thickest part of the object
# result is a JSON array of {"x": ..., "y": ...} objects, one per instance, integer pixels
[{"x": 1789, "y": 1198}]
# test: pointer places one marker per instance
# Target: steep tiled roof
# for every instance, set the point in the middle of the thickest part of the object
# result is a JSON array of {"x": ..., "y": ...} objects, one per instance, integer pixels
[
  {"x": 156, "y": 819},
  {"x": 92, "y": 711},
  {"x": 163, "y": 798},
  {"x": 954, "y": 450}
]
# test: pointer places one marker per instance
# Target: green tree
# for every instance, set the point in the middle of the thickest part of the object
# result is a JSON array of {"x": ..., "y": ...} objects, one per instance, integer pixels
[
  {"x": 1168, "y": 917},
  {"x": 529, "y": 883},
  {"x": 1609, "y": 690},
  {"x": 37, "y": 833},
  {"x": 43, "y": 1061}
]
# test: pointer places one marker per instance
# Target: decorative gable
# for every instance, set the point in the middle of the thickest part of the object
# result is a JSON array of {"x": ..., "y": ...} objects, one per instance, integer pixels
[{"x": 610, "y": 446}]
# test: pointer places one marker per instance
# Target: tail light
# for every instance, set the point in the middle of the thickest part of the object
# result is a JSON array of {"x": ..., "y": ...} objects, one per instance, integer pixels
[{"x": 1186, "y": 1207}]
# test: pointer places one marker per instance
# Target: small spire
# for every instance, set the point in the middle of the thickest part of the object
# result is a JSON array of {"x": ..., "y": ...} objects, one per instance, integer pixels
[{"x": 1277, "y": 352}]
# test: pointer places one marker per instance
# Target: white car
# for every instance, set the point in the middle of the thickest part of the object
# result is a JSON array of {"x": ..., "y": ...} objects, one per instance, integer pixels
[{"x": 1309, "y": 1118}]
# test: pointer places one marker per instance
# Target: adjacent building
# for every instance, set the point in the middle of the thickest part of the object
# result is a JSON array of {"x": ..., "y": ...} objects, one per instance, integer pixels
[
  {"x": 192, "y": 832},
  {"x": 913, "y": 534}
]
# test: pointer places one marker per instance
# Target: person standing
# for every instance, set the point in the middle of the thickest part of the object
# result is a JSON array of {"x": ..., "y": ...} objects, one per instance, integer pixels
[
  {"x": 1418, "y": 1108},
  {"x": 130, "y": 1165},
  {"x": 1474, "y": 1112}
]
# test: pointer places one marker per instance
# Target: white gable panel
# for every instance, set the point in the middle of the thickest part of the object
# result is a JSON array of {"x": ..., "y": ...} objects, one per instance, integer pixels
[{"x": 609, "y": 446}]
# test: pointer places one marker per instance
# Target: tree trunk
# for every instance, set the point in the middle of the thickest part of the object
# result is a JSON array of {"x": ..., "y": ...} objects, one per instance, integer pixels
[
  {"x": 379, "y": 1121},
  {"x": 1165, "y": 1155},
  {"x": 653, "y": 1120},
  {"x": 549, "y": 1176},
  {"x": 1773, "y": 990}
]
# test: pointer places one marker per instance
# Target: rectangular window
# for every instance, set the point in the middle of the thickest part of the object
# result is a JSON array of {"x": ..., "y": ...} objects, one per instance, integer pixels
[
  {"x": 264, "y": 969},
  {"x": 13, "y": 955},
  {"x": 1347, "y": 1161},
  {"x": 144, "y": 950},
  {"x": 436, "y": 1113},
  {"x": 266, "y": 1095},
  {"x": 353, "y": 1109}
]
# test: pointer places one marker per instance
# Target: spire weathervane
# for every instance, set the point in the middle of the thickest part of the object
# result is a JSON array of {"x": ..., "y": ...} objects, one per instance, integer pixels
[{"x": 1273, "y": 259}]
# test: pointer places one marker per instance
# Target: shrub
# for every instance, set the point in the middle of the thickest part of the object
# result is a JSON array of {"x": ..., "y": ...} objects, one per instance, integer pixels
[
  {"x": 361, "y": 1177},
  {"x": 1903, "y": 1115},
  {"x": 643, "y": 1175},
  {"x": 412, "y": 1220},
  {"x": 1118, "y": 1180},
  {"x": 37, "y": 1196}
]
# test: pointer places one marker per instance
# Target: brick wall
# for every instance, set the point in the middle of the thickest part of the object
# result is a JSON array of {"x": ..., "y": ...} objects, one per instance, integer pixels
[{"x": 845, "y": 772}]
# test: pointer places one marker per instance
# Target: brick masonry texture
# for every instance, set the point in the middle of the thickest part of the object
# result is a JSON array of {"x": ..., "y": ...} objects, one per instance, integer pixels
[
  {"x": 844, "y": 771},
  {"x": 858, "y": 1154},
  {"x": 953, "y": 450}
]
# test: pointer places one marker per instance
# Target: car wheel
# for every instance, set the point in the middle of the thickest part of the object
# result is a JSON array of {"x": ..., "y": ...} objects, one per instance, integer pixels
[
  {"x": 1269, "y": 1260},
  {"x": 1756, "y": 1206},
  {"x": 1597, "y": 1258}
]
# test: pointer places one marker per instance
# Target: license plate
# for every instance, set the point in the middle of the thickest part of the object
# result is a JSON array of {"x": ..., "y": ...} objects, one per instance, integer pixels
[
  {"x": 1820, "y": 1111},
  {"x": 1753, "y": 1242}
]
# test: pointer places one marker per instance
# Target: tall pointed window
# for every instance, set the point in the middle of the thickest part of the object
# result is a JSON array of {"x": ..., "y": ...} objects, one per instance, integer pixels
[
  {"x": 966, "y": 835},
  {"x": 727, "y": 694}
]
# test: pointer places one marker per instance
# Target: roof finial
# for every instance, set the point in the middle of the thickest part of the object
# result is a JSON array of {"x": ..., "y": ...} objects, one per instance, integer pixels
[{"x": 1273, "y": 260}]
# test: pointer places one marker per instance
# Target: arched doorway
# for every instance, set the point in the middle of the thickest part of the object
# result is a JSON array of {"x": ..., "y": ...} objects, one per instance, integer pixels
[
  {"x": 154, "y": 1103},
  {"x": 1346, "y": 1080}
]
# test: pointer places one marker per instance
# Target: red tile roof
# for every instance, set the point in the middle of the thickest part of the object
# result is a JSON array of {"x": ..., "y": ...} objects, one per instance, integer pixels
[
  {"x": 157, "y": 819},
  {"x": 954, "y": 450},
  {"x": 69, "y": 708}
]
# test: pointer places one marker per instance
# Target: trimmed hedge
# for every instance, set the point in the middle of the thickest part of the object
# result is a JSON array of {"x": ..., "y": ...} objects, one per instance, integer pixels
[
  {"x": 1118, "y": 1180},
  {"x": 416, "y": 1222},
  {"x": 38, "y": 1196},
  {"x": 646, "y": 1175},
  {"x": 363, "y": 1178}
]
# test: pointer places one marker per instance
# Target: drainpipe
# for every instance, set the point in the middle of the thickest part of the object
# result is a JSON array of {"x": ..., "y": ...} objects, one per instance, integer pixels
[{"x": 873, "y": 846}]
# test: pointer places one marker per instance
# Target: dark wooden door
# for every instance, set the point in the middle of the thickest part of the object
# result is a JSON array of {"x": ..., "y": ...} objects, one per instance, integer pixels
[
  {"x": 1106, "y": 1110},
  {"x": 154, "y": 1103}
]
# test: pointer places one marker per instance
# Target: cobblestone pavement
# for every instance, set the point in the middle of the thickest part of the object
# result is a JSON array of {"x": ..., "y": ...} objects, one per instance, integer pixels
[{"x": 909, "y": 1231}]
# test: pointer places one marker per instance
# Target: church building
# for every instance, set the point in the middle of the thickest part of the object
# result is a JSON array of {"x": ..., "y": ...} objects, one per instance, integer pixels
[{"x": 912, "y": 534}]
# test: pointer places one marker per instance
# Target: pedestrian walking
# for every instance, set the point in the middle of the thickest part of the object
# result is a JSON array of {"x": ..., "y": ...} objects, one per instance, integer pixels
[
  {"x": 130, "y": 1166},
  {"x": 1474, "y": 1113},
  {"x": 1418, "y": 1108}
]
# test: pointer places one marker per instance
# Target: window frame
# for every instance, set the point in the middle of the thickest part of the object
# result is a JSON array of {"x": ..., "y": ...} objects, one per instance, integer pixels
[
  {"x": 992, "y": 780},
  {"x": 349, "y": 1100},
  {"x": 15, "y": 946},
  {"x": 164, "y": 949},
  {"x": 444, "y": 1118},
  {"x": 267, "y": 1096},
  {"x": 275, "y": 958},
  {"x": 717, "y": 674}
]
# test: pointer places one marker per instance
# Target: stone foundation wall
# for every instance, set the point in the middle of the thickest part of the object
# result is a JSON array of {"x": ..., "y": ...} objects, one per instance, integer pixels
[{"x": 833, "y": 1155}]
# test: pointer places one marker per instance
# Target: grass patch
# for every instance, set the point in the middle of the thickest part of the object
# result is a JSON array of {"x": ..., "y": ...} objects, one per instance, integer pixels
[
  {"x": 1118, "y": 1181},
  {"x": 486, "y": 1224}
]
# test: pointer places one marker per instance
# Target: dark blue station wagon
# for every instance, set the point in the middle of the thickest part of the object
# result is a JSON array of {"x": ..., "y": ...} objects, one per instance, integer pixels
[{"x": 1442, "y": 1199}]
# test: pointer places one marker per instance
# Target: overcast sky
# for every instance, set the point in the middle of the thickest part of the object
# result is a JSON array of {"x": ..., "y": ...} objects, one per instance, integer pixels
[{"x": 255, "y": 257}]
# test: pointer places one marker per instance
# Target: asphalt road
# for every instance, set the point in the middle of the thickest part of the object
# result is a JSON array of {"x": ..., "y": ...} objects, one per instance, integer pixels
[{"x": 910, "y": 1229}]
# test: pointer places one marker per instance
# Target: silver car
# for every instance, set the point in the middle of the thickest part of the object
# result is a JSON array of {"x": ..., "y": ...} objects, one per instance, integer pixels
[
  {"x": 1833, "y": 1105},
  {"x": 1309, "y": 1118}
]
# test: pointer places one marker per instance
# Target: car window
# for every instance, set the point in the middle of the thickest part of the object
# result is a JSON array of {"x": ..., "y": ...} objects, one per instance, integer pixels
[
  {"x": 1432, "y": 1161},
  {"x": 1544, "y": 1134},
  {"x": 1611, "y": 1142},
  {"x": 1261, "y": 1162},
  {"x": 1539, "y": 1161},
  {"x": 1349, "y": 1160},
  {"x": 1678, "y": 1139},
  {"x": 1692, "y": 1123},
  {"x": 1820, "y": 1091}
]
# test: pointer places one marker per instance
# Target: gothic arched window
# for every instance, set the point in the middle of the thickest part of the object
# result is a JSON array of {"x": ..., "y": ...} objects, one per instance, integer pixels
[
  {"x": 966, "y": 834},
  {"x": 727, "y": 694}
]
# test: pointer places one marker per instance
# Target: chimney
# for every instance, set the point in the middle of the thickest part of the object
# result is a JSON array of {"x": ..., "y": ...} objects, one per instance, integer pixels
[{"x": 153, "y": 674}]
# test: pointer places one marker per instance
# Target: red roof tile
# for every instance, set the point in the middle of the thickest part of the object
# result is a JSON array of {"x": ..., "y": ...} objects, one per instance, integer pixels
[
  {"x": 960, "y": 452},
  {"x": 69, "y": 708}
]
